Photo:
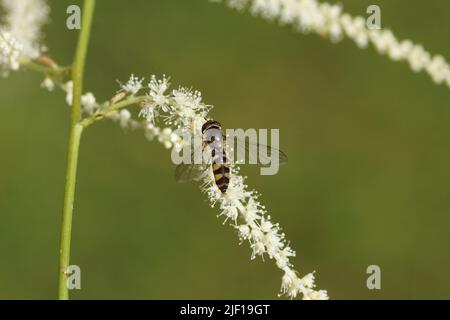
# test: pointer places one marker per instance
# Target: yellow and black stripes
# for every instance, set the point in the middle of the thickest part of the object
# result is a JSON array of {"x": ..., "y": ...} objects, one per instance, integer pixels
[
  {"x": 221, "y": 170},
  {"x": 220, "y": 163}
]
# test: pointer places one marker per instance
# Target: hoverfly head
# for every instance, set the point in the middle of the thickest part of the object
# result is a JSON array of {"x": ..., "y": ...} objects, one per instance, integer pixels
[
  {"x": 211, "y": 124},
  {"x": 212, "y": 133}
]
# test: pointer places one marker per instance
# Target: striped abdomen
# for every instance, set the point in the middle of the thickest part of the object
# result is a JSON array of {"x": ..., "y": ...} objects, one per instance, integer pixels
[{"x": 221, "y": 170}]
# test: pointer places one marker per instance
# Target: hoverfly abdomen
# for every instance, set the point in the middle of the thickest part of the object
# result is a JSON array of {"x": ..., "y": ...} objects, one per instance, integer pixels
[{"x": 221, "y": 171}]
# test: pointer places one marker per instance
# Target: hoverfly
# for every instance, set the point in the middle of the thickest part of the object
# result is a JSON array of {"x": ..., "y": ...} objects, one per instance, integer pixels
[{"x": 219, "y": 162}]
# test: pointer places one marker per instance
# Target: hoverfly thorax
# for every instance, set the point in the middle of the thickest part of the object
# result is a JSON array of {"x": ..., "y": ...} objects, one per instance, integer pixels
[{"x": 212, "y": 134}]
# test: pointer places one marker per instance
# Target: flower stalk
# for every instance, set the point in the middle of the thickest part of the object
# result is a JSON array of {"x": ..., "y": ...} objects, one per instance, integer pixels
[
  {"x": 52, "y": 71},
  {"x": 113, "y": 108},
  {"x": 75, "y": 132}
]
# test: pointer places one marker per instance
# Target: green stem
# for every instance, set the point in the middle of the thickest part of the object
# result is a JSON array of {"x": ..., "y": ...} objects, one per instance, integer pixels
[
  {"x": 125, "y": 103},
  {"x": 75, "y": 132},
  {"x": 50, "y": 71},
  {"x": 69, "y": 194},
  {"x": 112, "y": 109}
]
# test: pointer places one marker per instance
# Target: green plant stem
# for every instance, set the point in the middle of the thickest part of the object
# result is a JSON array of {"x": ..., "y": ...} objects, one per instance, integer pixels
[
  {"x": 112, "y": 109},
  {"x": 50, "y": 71},
  {"x": 75, "y": 132}
]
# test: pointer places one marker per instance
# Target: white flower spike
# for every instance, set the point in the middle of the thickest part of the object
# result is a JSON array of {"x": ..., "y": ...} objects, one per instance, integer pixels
[
  {"x": 20, "y": 35},
  {"x": 184, "y": 109},
  {"x": 328, "y": 20},
  {"x": 10, "y": 51}
]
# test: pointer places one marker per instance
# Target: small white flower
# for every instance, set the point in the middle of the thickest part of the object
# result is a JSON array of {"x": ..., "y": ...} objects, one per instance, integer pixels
[
  {"x": 309, "y": 294},
  {"x": 68, "y": 88},
  {"x": 438, "y": 69},
  {"x": 230, "y": 212},
  {"x": 124, "y": 118},
  {"x": 418, "y": 58},
  {"x": 48, "y": 84},
  {"x": 289, "y": 283},
  {"x": 187, "y": 99},
  {"x": 258, "y": 249},
  {"x": 10, "y": 51},
  {"x": 149, "y": 112},
  {"x": 251, "y": 212},
  {"x": 257, "y": 234},
  {"x": 266, "y": 225},
  {"x": 166, "y": 138},
  {"x": 157, "y": 92},
  {"x": 89, "y": 103},
  {"x": 243, "y": 231},
  {"x": 308, "y": 280},
  {"x": 133, "y": 85},
  {"x": 151, "y": 131}
]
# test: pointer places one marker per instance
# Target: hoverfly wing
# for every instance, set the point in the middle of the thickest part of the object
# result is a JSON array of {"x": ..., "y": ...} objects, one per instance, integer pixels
[
  {"x": 263, "y": 153},
  {"x": 269, "y": 152},
  {"x": 189, "y": 172},
  {"x": 185, "y": 172}
]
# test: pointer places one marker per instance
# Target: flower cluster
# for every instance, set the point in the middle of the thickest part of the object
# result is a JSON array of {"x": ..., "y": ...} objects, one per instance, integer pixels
[
  {"x": 9, "y": 53},
  {"x": 330, "y": 21},
  {"x": 21, "y": 33},
  {"x": 88, "y": 101},
  {"x": 178, "y": 108},
  {"x": 133, "y": 85},
  {"x": 253, "y": 224},
  {"x": 158, "y": 99},
  {"x": 183, "y": 109}
]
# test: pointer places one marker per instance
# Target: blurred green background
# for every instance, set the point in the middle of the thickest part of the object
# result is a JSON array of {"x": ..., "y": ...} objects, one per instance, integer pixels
[{"x": 368, "y": 140}]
